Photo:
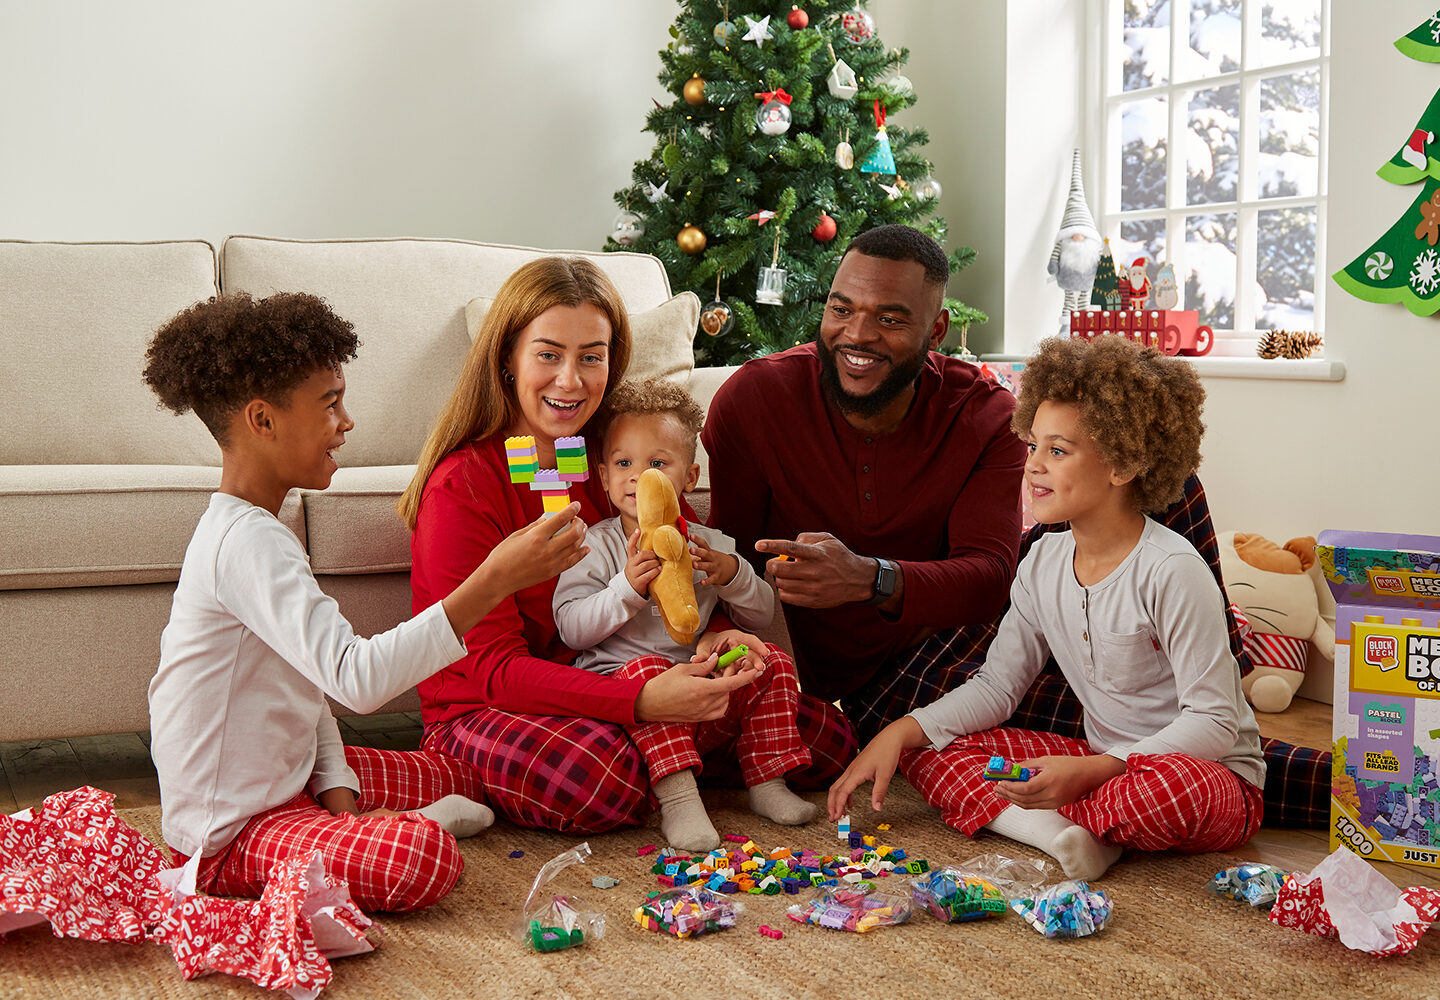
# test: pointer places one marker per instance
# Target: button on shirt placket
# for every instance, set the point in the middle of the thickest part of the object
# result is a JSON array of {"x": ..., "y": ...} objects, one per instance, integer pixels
[
  {"x": 1087, "y": 646},
  {"x": 865, "y": 479}
]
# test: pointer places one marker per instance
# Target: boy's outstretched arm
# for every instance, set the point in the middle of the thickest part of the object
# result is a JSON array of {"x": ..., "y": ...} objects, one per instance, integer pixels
[
  {"x": 876, "y": 763},
  {"x": 540, "y": 550}
]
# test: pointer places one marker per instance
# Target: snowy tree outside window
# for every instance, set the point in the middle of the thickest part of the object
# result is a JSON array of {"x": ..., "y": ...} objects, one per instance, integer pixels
[{"x": 1213, "y": 156}]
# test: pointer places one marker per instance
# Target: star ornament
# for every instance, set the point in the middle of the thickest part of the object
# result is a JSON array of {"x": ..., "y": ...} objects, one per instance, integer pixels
[
  {"x": 893, "y": 191},
  {"x": 656, "y": 195},
  {"x": 759, "y": 30}
]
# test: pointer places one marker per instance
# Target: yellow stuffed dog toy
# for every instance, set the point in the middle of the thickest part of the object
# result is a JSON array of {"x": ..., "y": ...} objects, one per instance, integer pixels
[
  {"x": 1277, "y": 589},
  {"x": 658, "y": 511}
]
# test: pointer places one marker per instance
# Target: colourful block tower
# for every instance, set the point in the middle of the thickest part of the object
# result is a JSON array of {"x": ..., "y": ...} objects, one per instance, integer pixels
[{"x": 553, "y": 485}]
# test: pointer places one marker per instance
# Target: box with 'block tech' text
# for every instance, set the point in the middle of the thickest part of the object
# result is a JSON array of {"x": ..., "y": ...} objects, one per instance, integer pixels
[{"x": 1385, "y": 785}]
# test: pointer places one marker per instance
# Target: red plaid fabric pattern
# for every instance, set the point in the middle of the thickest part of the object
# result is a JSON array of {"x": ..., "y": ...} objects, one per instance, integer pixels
[
  {"x": 1297, "y": 783},
  {"x": 391, "y": 862},
  {"x": 759, "y": 724},
  {"x": 1162, "y": 801},
  {"x": 583, "y": 776}
]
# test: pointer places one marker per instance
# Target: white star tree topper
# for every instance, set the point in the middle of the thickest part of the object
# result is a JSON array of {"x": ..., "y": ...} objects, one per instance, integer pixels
[{"x": 759, "y": 30}]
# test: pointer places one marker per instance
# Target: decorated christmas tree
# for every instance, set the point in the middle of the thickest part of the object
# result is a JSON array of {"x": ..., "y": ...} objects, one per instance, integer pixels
[
  {"x": 779, "y": 144},
  {"x": 1404, "y": 264},
  {"x": 1105, "y": 293}
]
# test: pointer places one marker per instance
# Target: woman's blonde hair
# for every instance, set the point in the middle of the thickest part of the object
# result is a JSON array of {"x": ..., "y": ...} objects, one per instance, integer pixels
[{"x": 483, "y": 402}]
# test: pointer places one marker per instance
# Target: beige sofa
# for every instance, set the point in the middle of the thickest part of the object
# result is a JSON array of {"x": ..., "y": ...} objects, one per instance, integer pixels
[{"x": 100, "y": 489}]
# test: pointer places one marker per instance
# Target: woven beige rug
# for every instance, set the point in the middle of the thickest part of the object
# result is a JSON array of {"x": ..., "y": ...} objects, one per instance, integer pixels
[{"x": 1168, "y": 938}]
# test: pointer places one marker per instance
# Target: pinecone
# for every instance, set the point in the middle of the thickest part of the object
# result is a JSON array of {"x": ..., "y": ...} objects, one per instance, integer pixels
[
  {"x": 1294, "y": 344},
  {"x": 1269, "y": 346}
]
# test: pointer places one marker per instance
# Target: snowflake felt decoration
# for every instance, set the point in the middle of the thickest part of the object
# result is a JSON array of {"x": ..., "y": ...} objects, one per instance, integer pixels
[{"x": 1425, "y": 275}]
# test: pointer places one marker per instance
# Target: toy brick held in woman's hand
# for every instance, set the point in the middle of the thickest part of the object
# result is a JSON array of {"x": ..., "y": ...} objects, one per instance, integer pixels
[{"x": 662, "y": 531}]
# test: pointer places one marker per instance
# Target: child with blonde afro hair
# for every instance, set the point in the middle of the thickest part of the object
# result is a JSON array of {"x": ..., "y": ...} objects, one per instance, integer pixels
[{"x": 1135, "y": 620}]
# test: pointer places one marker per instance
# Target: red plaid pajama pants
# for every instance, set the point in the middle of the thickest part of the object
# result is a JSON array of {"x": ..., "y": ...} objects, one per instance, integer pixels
[
  {"x": 1162, "y": 802},
  {"x": 759, "y": 723},
  {"x": 584, "y": 776},
  {"x": 391, "y": 862}
]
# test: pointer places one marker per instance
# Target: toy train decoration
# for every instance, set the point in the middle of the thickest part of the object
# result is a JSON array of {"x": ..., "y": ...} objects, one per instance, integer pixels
[{"x": 1172, "y": 331}]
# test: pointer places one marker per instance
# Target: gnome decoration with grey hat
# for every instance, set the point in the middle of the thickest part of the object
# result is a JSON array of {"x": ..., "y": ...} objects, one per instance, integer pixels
[{"x": 1077, "y": 249}]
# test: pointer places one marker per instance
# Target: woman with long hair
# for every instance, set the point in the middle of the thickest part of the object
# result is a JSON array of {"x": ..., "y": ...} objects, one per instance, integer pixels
[{"x": 548, "y": 738}]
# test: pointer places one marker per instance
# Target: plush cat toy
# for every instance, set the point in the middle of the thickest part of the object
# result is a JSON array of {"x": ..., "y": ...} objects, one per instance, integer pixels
[
  {"x": 1277, "y": 591},
  {"x": 661, "y": 531}
]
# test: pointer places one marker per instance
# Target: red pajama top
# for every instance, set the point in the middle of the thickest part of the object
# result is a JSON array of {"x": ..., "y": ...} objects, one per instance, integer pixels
[
  {"x": 514, "y": 658},
  {"x": 940, "y": 496}
]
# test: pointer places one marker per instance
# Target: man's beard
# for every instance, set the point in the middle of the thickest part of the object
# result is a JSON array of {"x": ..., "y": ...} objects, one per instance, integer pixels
[{"x": 903, "y": 373}]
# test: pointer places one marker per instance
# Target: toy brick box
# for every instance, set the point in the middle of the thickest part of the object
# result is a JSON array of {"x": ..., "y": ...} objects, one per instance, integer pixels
[{"x": 1384, "y": 797}]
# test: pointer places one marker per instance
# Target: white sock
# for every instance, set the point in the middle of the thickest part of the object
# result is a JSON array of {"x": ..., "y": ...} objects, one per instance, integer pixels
[
  {"x": 462, "y": 817},
  {"x": 774, "y": 800},
  {"x": 683, "y": 819},
  {"x": 1080, "y": 853}
]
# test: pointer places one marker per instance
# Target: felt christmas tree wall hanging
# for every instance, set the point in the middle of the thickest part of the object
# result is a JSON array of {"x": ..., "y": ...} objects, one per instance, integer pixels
[
  {"x": 754, "y": 189},
  {"x": 1403, "y": 265}
]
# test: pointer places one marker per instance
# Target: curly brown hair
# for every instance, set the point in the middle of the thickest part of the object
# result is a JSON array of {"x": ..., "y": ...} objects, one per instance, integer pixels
[
  {"x": 219, "y": 354},
  {"x": 653, "y": 395},
  {"x": 1141, "y": 408}
]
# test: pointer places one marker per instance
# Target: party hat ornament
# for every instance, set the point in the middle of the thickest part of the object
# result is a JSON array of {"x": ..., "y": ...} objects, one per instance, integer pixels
[{"x": 880, "y": 160}]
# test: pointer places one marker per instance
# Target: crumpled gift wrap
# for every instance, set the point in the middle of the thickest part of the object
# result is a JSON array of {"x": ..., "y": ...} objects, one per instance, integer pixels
[
  {"x": 76, "y": 864},
  {"x": 1344, "y": 896},
  {"x": 280, "y": 941}
]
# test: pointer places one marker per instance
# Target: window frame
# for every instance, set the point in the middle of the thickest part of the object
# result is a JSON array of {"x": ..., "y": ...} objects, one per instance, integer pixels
[{"x": 1247, "y": 206}]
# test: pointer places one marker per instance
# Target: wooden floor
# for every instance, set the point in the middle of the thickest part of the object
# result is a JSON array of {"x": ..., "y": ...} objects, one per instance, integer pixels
[{"x": 121, "y": 764}]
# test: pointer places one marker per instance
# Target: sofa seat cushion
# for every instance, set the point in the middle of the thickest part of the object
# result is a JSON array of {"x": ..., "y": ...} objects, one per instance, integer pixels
[
  {"x": 353, "y": 527},
  {"x": 104, "y": 525}
]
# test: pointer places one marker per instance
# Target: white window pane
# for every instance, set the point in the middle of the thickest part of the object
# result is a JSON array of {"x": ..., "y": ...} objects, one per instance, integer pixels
[
  {"x": 1141, "y": 238},
  {"x": 1289, "y": 31},
  {"x": 1147, "y": 43},
  {"x": 1143, "y": 128},
  {"x": 1289, "y": 161},
  {"x": 1215, "y": 30},
  {"x": 1212, "y": 146},
  {"x": 1210, "y": 265},
  {"x": 1285, "y": 262}
]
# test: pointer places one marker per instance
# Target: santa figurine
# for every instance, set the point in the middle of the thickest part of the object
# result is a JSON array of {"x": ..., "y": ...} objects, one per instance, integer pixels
[
  {"x": 1077, "y": 249},
  {"x": 1137, "y": 284}
]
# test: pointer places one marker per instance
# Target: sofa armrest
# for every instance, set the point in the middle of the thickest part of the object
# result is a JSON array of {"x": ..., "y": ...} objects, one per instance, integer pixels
[{"x": 704, "y": 383}]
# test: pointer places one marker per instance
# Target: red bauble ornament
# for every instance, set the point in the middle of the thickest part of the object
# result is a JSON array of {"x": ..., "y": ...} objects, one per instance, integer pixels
[
  {"x": 825, "y": 229},
  {"x": 797, "y": 18}
]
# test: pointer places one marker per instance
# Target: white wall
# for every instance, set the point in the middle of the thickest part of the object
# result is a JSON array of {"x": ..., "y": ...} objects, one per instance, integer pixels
[{"x": 477, "y": 119}]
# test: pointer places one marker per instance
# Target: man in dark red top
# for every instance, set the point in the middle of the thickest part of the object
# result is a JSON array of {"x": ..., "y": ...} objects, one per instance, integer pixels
[{"x": 905, "y": 458}]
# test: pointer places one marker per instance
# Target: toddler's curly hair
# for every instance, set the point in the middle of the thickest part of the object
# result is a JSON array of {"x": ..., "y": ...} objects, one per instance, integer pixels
[
  {"x": 219, "y": 354},
  {"x": 653, "y": 395},
  {"x": 1141, "y": 408}
]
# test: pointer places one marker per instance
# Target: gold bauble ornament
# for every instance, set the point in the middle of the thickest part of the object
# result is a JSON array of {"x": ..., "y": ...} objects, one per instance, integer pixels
[
  {"x": 694, "y": 90},
  {"x": 691, "y": 239}
]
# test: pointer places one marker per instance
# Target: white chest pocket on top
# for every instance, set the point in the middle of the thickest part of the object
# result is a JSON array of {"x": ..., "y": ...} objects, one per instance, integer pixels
[{"x": 1128, "y": 662}]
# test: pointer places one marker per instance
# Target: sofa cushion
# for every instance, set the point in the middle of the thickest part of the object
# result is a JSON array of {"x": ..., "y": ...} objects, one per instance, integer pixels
[
  {"x": 75, "y": 319},
  {"x": 406, "y": 298},
  {"x": 353, "y": 527},
  {"x": 100, "y": 525},
  {"x": 663, "y": 338}
]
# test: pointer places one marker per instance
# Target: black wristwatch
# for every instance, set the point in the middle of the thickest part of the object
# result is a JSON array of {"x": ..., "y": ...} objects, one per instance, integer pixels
[{"x": 884, "y": 582}]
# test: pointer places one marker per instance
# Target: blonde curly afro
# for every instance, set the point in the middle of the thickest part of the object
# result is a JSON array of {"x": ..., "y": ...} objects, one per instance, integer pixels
[{"x": 1141, "y": 408}]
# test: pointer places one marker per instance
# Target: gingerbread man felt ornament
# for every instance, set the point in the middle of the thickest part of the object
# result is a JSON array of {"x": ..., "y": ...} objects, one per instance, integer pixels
[
  {"x": 662, "y": 532},
  {"x": 1429, "y": 228}
]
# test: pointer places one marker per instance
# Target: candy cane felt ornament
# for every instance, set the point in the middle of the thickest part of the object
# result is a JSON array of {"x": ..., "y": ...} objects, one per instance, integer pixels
[{"x": 658, "y": 510}]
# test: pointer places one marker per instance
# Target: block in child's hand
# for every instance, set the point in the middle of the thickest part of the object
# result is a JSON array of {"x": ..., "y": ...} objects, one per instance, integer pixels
[{"x": 998, "y": 770}]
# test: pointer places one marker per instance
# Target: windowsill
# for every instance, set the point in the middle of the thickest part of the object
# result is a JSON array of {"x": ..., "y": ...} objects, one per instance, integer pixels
[{"x": 1284, "y": 369}]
